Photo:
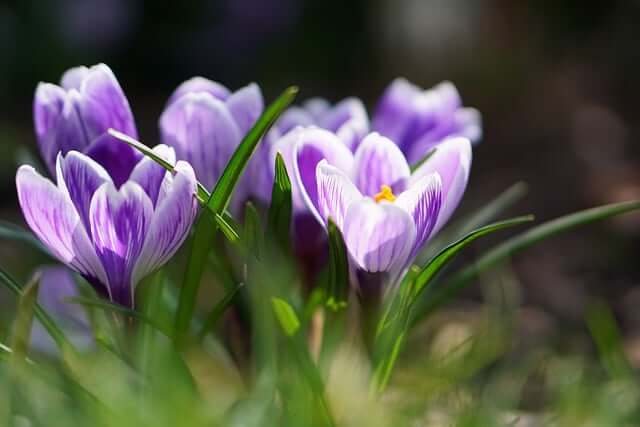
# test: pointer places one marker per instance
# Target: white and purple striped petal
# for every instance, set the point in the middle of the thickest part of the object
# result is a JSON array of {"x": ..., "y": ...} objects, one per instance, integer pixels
[
  {"x": 150, "y": 175},
  {"x": 120, "y": 220},
  {"x": 379, "y": 236},
  {"x": 52, "y": 216},
  {"x": 336, "y": 192},
  {"x": 171, "y": 222},
  {"x": 452, "y": 161},
  {"x": 378, "y": 161}
]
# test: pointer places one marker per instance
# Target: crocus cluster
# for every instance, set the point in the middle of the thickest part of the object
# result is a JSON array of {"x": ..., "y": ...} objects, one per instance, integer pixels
[{"x": 115, "y": 217}]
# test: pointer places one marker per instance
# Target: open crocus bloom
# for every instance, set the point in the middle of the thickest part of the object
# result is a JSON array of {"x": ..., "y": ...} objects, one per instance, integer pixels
[
  {"x": 418, "y": 120},
  {"x": 205, "y": 122},
  {"x": 385, "y": 213},
  {"x": 113, "y": 236},
  {"x": 77, "y": 115}
]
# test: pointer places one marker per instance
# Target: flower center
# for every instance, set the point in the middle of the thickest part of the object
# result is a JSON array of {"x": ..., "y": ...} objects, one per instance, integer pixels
[{"x": 385, "y": 194}]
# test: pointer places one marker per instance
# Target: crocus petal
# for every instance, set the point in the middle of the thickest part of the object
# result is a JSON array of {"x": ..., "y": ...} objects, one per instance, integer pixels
[
  {"x": 468, "y": 121},
  {"x": 423, "y": 200},
  {"x": 379, "y": 236},
  {"x": 378, "y": 161},
  {"x": 171, "y": 222},
  {"x": 73, "y": 77},
  {"x": 348, "y": 119},
  {"x": 336, "y": 192},
  {"x": 452, "y": 161},
  {"x": 200, "y": 84},
  {"x": 115, "y": 156},
  {"x": 150, "y": 174},
  {"x": 316, "y": 107},
  {"x": 203, "y": 132},
  {"x": 54, "y": 220},
  {"x": 80, "y": 176},
  {"x": 119, "y": 224},
  {"x": 104, "y": 104},
  {"x": 246, "y": 105},
  {"x": 302, "y": 150},
  {"x": 48, "y": 106},
  {"x": 394, "y": 112},
  {"x": 292, "y": 118}
]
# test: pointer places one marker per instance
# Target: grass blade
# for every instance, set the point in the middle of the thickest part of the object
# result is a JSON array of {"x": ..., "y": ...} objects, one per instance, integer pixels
[
  {"x": 279, "y": 218},
  {"x": 286, "y": 316},
  {"x": 24, "y": 319},
  {"x": 47, "y": 322},
  {"x": 219, "y": 309},
  {"x": 518, "y": 243},
  {"x": 253, "y": 234},
  {"x": 338, "y": 280}
]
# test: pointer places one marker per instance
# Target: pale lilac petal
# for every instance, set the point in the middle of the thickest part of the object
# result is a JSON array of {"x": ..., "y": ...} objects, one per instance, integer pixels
[
  {"x": 79, "y": 177},
  {"x": 395, "y": 111},
  {"x": 468, "y": 122},
  {"x": 292, "y": 118},
  {"x": 348, "y": 119},
  {"x": 203, "y": 132},
  {"x": 150, "y": 174},
  {"x": 379, "y": 236},
  {"x": 171, "y": 222},
  {"x": 246, "y": 105},
  {"x": 377, "y": 162},
  {"x": 54, "y": 220},
  {"x": 452, "y": 161},
  {"x": 423, "y": 201},
  {"x": 115, "y": 156},
  {"x": 336, "y": 192},
  {"x": 197, "y": 85},
  {"x": 59, "y": 127},
  {"x": 302, "y": 150},
  {"x": 104, "y": 105},
  {"x": 120, "y": 220},
  {"x": 316, "y": 107},
  {"x": 73, "y": 77}
]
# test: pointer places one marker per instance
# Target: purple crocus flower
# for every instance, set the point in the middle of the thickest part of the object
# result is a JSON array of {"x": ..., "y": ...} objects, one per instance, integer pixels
[
  {"x": 385, "y": 212},
  {"x": 77, "y": 115},
  {"x": 418, "y": 120},
  {"x": 56, "y": 286},
  {"x": 112, "y": 235},
  {"x": 205, "y": 123}
]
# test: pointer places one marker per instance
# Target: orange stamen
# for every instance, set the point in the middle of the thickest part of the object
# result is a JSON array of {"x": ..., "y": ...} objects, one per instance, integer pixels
[{"x": 385, "y": 194}]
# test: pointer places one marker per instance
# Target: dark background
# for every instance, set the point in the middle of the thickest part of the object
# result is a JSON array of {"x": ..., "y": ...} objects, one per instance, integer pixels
[{"x": 556, "y": 80}]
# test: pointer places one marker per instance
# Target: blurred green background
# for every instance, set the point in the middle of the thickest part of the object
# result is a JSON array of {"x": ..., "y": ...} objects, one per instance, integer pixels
[{"x": 556, "y": 82}]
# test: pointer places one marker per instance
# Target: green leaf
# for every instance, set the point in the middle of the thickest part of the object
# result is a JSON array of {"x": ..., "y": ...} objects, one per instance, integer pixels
[
  {"x": 219, "y": 309},
  {"x": 223, "y": 190},
  {"x": 109, "y": 306},
  {"x": 393, "y": 326},
  {"x": 47, "y": 322},
  {"x": 338, "y": 280},
  {"x": 13, "y": 232},
  {"x": 203, "y": 194},
  {"x": 446, "y": 255},
  {"x": 253, "y": 234},
  {"x": 217, "y": 203},
  {"x": 279, "y": 218},
  {"x": 286, "y": 316},
  {"x": 518, "y": 243},
  {"x": 24, "y": 319},
  {"x": 420, "y": 162}
]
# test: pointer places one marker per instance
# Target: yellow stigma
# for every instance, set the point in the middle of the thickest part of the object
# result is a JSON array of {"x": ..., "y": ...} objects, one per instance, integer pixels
[{"x": 385, "y": 194}]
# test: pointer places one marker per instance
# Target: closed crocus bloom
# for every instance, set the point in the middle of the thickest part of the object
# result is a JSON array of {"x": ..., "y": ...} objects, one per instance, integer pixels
[
  {"x": 56, "y": 287},
  {"x": 386, "y": 213},
  {"x": 112, "y": 235},
  {"x": 205, "y": 123},
  {"x": 77, "y": 114},
  {"x": 418, "y": 120}
]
